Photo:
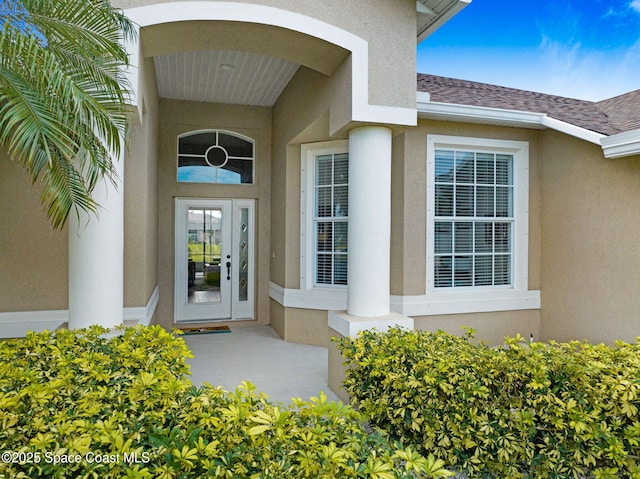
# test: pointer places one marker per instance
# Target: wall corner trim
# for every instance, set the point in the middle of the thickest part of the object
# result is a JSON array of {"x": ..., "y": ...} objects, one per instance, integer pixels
[{"x": 143, "y": 314}]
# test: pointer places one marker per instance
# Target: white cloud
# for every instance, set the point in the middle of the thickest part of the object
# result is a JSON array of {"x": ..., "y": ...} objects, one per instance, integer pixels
[
  {"x": 569, "y": 69},
  {"x": 555, "y": 68},
  {"x": 635, "y": 5},
  {"x": 557, "y": 65}
]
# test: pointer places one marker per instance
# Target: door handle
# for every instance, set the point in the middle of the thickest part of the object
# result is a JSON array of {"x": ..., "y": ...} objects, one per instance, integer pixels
[{"x": 228, "y": 268}]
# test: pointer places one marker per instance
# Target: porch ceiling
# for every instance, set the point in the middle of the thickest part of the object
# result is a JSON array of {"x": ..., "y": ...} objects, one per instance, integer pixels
[{"x": 217, "y": 76}]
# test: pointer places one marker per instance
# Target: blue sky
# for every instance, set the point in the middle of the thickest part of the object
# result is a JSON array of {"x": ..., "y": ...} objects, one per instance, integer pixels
[{"x": 587, "y": 49}]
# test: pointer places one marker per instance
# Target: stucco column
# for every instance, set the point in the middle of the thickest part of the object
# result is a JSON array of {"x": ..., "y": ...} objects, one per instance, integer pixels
[
  {"x": 368, "y": 294},
  {"x": 96, "y": 253},
  {"x": 369, "y": 221}
]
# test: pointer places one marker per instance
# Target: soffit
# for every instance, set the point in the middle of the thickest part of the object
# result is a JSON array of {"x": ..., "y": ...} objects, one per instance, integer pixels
[
  {"x": 432, "y": 14},
  {"x": 223, "y": 76}
]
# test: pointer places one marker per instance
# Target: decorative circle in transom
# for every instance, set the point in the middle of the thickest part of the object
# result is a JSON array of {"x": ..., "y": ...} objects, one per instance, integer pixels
[{"x": 216, "y": 156}]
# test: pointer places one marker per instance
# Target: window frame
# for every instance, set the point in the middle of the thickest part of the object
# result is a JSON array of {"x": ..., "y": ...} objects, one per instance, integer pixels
[
  {"x": 217, "y": 132},
  {"x": 308, "y": 252},
  {"x": 520, "y": 222}
]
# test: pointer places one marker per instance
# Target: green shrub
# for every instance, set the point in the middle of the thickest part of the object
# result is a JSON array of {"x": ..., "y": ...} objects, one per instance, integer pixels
[
  {"x": 522, "y": 410},
  {"x": 80, "y": 404}
]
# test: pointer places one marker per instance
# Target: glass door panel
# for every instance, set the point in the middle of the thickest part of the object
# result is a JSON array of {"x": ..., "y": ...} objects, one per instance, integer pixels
[
  {"x": 204, "y": 237},
  {"x": 202, "y": 244},
  {"x": 243, "y": 272},
  {"x": 243, "y": 255}
]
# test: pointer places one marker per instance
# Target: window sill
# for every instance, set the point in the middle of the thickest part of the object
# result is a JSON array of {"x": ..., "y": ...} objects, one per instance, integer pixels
[{"x": 457, "y": 302}]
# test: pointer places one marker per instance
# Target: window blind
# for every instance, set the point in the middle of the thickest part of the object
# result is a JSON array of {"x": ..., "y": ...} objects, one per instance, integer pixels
[
  {"x": 474, "y": 219},
  {"x": 331, "y": 217}
]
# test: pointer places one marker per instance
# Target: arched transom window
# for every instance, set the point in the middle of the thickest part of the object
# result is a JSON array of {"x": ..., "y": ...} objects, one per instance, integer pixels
[{"x": 215, "y": 156}]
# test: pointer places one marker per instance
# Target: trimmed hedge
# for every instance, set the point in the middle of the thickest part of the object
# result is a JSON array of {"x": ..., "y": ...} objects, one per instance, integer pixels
[
  {"x": 518, "y": 411},
  {"x": 80, "y": 404}
]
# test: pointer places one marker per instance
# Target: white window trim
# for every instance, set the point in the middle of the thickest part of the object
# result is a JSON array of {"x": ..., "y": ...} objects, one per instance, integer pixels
[
  {"x": 217, "y": 131},
  {"x": 320, "y": 297},
  {"x": 463, "y": 300}
]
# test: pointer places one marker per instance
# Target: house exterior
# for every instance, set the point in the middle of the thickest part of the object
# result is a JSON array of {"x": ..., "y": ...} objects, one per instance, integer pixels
[{"x": 336, "y": 190}]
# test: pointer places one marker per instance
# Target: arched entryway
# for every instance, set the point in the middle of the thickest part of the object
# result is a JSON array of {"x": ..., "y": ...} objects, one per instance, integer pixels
[{"x": 222, "y": 67}]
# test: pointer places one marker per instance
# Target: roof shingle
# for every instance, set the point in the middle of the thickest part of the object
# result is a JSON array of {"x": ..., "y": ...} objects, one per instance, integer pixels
[
  {"x": 623, "y": 111},
  {"x": 607, "y": 117}
]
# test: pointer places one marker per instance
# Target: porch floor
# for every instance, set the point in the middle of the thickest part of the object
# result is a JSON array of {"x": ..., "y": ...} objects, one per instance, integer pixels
[{"x": 278, "y": 368}]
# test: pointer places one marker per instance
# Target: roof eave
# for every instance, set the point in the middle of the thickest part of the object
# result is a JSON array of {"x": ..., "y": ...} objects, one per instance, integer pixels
[
  {"x": 436, "y": 22},
  {"x": 477, "y": 114},
  {"x": 622, "y": 144},
  {"x": 502, "y": 117}
]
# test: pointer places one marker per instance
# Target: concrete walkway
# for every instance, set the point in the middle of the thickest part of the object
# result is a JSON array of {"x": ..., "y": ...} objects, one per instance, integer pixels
[{"x": 280, "y": 369}]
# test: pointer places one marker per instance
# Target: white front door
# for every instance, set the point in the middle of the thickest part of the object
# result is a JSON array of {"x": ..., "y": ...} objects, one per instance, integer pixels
[{"x": 213, "y": 259}]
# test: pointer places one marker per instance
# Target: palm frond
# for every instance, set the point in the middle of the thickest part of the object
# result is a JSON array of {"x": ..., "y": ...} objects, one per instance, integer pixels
[{"x": 63, "y": 96}]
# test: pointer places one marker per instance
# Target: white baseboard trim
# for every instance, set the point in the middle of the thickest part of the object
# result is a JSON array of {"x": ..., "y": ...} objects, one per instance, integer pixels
[
  {"x": 16, "y": 324},
  {"x": 325, "y": 299}
]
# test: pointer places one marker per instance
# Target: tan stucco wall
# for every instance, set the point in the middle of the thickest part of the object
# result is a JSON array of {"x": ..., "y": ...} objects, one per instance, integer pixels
[
  {"x": 491, "y": 328},
  {"x": 277, "y": 318},
  {"x": 177, "y": 117},
  {"x": 305, "y": 326},
  {"x": 336, "y": 370},
  {"x": 590, "y": 238},
  {"x": 33, "y": 257},
  {"x": 408, "y": 213},
  {"x": 389, "y": 27},
  {"x": 141, "y": 200},
  {"x": 299, "y": 116}
]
